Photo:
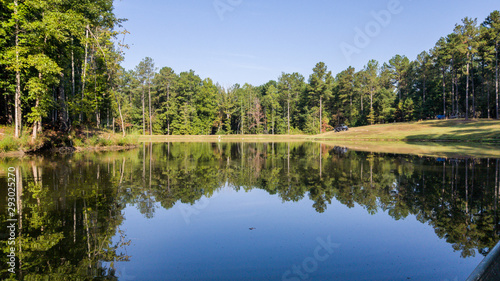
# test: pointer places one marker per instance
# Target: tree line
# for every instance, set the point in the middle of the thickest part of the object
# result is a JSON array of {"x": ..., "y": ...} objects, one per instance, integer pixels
[
  {"x": 61, "y": 68},
  {"x": 457, "y": 78},
  {"x": 59, "y": 63}
]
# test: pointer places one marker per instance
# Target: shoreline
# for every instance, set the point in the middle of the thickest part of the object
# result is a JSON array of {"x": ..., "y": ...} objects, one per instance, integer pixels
[
  {"x": 295, "y": 138},
  {"x": 66, "y": 150},
  {"x": 431, "y": 148},
  {"x": 456, "y": 138}
]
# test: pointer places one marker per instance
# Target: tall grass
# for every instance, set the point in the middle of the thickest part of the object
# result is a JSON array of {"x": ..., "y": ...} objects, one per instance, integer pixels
[{"x": 8, "y": 143}]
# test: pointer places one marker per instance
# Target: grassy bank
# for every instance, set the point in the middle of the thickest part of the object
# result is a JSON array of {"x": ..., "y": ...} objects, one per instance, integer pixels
[
  {"x": 485, "y": 131},
  {"x": 80, "y": 139}
]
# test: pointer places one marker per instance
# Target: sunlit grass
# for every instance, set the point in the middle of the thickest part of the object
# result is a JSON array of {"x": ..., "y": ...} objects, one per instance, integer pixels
[{"x": 436, "y": 130}]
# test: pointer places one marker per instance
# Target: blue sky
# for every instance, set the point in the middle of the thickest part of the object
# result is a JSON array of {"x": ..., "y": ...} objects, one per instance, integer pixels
[{"x": 253, "y": 41}]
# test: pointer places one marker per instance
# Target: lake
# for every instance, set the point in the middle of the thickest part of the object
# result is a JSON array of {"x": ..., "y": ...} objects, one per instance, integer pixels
[{"x": 249, "y": 211}]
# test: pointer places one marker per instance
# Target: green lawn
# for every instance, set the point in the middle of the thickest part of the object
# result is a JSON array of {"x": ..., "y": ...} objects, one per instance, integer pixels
[{"x": 487, "y": 131}]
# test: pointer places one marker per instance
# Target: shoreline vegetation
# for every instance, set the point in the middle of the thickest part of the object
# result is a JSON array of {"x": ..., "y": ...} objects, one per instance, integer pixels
[
  {"x": 437, "y": 138},
  {"x": 77, "y": 140}
]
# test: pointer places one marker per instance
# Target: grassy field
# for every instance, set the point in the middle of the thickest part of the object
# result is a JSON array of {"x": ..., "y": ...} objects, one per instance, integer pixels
[{"x": 486, "y": 131}]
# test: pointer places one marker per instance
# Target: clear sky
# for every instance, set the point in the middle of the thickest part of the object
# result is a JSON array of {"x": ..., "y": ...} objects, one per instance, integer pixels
[{"x": 253, "y": 41}]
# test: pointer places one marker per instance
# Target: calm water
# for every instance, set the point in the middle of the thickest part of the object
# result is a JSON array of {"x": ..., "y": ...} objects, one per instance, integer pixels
[{"x": 220, "y": 211}]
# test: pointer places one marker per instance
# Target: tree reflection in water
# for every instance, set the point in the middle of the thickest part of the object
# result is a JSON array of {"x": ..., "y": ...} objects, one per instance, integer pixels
[{"x": 71, "y": 206}]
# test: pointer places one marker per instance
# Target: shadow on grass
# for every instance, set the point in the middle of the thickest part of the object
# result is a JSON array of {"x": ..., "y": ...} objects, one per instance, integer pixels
[
  {"x": 432, "y": 149},
  {"x": 470, "y": 135},
  {"x": 462, "y": 123}
]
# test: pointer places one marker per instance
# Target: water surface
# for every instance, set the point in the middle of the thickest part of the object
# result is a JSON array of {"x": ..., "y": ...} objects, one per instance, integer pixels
[{"x": 243, "y": 211}]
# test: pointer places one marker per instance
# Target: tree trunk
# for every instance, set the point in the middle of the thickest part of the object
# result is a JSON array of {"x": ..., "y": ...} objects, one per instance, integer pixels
[
  {"x": 63, "y": 112},
  {"x": 399, "y": 87},
  {"x": 425, "y": 81},
  {"x": 272, "y": 116},
  {"x": 482, "y": 89},
  {"x": 473, "y": 94},
  {"x": 121, "y": 115},
  {"x": 423, "y": 100},
  {"x": 456, "y": 92},
  {"x": 168, "y": 99},
  {"x": 371, "y": 107},
  {"x": 467, "y": 90},
  {"x": 453, "y": 109},
  {"x": 362, "y": 109},
  {"x": 288, "y": 110},
  {"x": 320, "y": 114},
  {"x": 17, "y": 98},
  {"x": 143, "y": 115},
  {"x": 72, "y": 70},
  {"x": 150, "y": 112},
  {"x": 37, "y": 125},
  {"x": 84, "y": 75},
  {"x": 97, "y": 111},
  {"x": 444, "y": 92},
  {"x": 496, "y": 77}
]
